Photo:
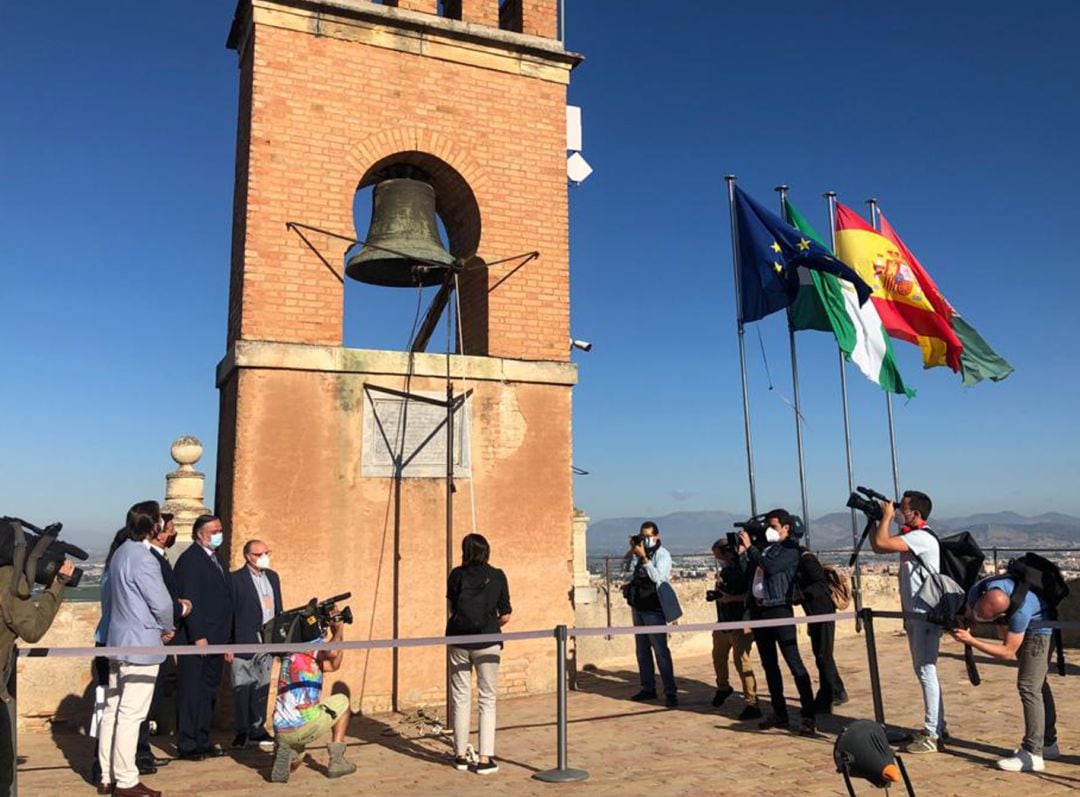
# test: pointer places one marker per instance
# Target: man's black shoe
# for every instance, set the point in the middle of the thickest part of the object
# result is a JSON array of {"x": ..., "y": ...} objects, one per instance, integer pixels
[
  {"x": 722, "y": 695},
  {"x": 671, "y": 701},
  {"x": 213, "y": 751},
  {"x": 643, "y": 695},
  {"x": 749, "y": 713},
  {"x": 239, "y": 741},
  {"x": 146, "y": 767},
  {"x": 261, "y": 736},
  {"x": 840, "y": 700},
  {"x": 191, "y": 755},
  {"x": 773, "y": 722}
]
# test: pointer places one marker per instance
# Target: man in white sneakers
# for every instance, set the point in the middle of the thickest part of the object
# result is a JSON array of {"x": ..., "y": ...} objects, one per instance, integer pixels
[
  {"x": 988, "y": 601},
  {"x": 920, "y": 556}
]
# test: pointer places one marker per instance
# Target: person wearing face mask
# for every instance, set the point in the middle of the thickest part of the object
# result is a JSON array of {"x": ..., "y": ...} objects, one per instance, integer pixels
[
  {"x": 924, "y": 638},
  {"x": 202, "y": 579},
  {"x": 989, "y": 601},
  {"x": 651, "y": 564},
  {"x": 159, "y": 543},
  {"x": 772, "y": 591},
  {"x": 256, "y": 594}
]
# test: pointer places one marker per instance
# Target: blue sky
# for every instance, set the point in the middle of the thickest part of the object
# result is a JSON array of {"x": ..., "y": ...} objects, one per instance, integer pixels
[{"x": 960, "y": 117}]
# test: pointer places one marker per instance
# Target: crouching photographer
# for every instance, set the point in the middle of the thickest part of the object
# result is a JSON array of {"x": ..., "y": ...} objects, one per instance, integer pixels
[
  {"x": 301, "y": 715},
  {"x": 773, "y": 558},
  {"x": 27, "y": 558}
]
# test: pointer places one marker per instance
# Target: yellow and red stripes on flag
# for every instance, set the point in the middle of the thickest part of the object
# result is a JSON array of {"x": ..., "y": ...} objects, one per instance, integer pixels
[{"x": 910, "y": 306}]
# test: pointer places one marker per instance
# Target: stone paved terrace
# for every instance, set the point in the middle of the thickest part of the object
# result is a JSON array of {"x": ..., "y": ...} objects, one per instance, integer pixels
[{"x": 632, "y": 749}]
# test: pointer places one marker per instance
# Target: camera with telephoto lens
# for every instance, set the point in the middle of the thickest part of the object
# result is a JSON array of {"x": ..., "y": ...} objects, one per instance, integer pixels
[
  {"x": 711, "y": 595},
  {"x": 307, "y": 623},
  {"x": 869, "y": 505},
  {"x": 636, "y": 540},
  {"x": 37, "y": 552}
]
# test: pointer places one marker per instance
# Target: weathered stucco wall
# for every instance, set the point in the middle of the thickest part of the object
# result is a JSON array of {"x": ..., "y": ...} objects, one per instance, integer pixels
[{"x": 298, "y": 486}]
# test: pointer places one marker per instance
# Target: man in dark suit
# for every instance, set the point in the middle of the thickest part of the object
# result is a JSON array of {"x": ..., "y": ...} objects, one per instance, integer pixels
[
  {"x": 256, "y": 594},
  {"x": 163, "y": 539},
  {"x": 202, "y": 579}
]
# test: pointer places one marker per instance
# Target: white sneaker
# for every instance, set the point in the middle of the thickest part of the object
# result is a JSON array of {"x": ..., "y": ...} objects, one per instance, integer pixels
[
  {"x": 1022, "y": 761},
  {"x": 1051, "y": 752}
]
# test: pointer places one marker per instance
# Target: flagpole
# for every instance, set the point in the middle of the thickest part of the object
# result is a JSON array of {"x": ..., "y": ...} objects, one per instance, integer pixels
[
  {"x": 875, "y": 221},
  {"x": 830, "y": 198},
  {"x": 782, "y": 191},
  {"x": 730, "y": 179}
]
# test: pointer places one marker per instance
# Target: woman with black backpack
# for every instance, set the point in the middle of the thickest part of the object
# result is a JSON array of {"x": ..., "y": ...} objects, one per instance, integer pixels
[{"x": 479, "y": 604}]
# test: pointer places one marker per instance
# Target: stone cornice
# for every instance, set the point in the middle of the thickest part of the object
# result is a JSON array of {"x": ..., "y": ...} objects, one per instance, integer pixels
[
  {"x": 337, "y": 359},
  {"x": 409, "y": 31}
]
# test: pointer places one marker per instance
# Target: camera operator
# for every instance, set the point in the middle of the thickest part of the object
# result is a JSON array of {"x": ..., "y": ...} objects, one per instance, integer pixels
[
  {"x": 773, "y": 590},
  {"x": 988, "y": 602},
  {"x": 23, "y": 618},
  {"x": 924, "y": 639},
  {"x": 301, "y": 715},
  {"x": 732, "y": 585},
  {"x": 651, "y": 567}
]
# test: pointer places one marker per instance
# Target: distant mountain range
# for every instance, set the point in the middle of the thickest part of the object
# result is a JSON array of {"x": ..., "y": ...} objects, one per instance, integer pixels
[{"x": 695, "y": 532}]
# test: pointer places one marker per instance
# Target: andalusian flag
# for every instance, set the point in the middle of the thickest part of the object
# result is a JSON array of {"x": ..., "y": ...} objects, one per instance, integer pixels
[
  {"x": 825, "y": 302},
  {"x": 906, "y": 305},
  {"x": 977, "y": 360}
]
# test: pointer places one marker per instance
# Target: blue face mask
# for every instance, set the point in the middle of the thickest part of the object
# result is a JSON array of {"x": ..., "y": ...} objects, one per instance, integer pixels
[{"x": 216, "y": 539}]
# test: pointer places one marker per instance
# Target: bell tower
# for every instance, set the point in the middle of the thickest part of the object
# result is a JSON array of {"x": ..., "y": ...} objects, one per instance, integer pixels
[{"x": 333, "y": 456}]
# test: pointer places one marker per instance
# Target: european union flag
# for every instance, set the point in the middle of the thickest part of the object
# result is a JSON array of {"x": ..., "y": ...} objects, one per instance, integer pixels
[{"x": 770, "y": 254}]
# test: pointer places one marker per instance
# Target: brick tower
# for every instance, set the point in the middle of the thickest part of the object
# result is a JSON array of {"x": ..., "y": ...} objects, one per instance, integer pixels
[{"x": 472, "y": 93}]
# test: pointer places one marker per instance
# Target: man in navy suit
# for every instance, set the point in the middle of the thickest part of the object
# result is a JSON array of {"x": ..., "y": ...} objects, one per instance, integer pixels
[
  {"x": 162, "y": 540},
  {"x": 256, "y": 593},
  {"x": 202, "y": 579}
]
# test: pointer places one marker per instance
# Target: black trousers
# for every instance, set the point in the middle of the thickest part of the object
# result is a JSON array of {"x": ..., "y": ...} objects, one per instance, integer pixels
[
  {"x": 782, "y": 637},
  {"x": 830, "y": 684},
  {"x": 198, "y": 680},
  {"x": 8, "y": 760}
]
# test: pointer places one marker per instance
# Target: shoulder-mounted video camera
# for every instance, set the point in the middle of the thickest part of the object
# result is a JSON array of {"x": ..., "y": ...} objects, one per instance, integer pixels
[
  {"x": 755, "y": 528},
  {"x": 869, "y": 505},
  {"x": 36, "y": 553},
  {"x": 307, "y": 623}
]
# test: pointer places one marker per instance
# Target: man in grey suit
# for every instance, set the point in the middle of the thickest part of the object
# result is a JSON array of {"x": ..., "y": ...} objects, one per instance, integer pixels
[{"x": 141, "y": 615}]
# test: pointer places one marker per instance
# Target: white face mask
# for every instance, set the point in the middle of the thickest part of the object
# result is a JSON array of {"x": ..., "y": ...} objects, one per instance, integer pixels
[
  {"x": 263, "y": 562},
  {"x": 216, "y": 539},
  {"x": 650, "y": 543},
  {"x": 772, "y": 535}
]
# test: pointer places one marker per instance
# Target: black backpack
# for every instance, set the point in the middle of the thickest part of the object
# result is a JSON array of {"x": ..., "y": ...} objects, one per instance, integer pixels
[
  {"x": 475, "y": 605},
  {"x": 1034, "y": 573},
  {"x": 961, "y": 558}
]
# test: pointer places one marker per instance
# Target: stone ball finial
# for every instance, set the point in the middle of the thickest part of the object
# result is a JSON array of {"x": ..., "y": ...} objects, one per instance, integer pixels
[{"x": 186, "y": 451}]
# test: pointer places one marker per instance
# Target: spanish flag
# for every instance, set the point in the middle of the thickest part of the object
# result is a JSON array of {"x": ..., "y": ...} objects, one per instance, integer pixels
[
  {"x": 978, "y": 360},
  {"x": 910, "y": 306}
]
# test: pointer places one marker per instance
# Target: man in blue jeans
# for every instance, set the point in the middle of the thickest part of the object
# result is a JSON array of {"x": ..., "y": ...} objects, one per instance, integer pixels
[
  {"x": 652, "y": 567},
  {"x": 988, "y": 601},
  {"x": 920, "y": 555}
]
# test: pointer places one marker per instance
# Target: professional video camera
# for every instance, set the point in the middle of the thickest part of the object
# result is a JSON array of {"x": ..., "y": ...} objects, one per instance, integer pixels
[
  {"x": 37, "y": 552},
  {"x": 307, "y": 623},
  {"x": 869, "y": 506},
  {"x": 755, "y": 527}
]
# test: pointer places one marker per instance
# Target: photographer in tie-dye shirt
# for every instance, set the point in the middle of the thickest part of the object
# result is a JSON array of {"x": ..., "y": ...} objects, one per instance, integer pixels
[{"x": 301, "y": 716}]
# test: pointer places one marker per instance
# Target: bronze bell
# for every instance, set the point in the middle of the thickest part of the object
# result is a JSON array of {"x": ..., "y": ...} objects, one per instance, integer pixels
[{"x": 402, "y": 233}]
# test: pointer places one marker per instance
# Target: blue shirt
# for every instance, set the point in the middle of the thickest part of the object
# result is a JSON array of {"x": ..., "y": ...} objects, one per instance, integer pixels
[
  {"x": 658, "y": 568},
  {"x": 1032, "y": 609}
]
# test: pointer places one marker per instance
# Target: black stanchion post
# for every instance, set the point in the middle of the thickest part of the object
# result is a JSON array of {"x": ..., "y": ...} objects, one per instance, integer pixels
[
  {"x": 871, "y": 655},
  {"x": 562, "y": 773}
]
